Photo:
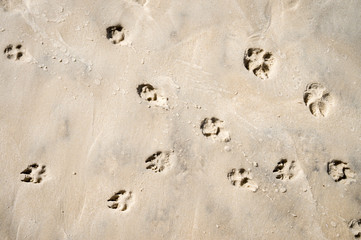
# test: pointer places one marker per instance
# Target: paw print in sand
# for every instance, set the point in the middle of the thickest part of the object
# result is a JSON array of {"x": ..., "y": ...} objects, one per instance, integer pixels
[
  {"x": 258, "y": 61},
  {"x": 159, "y": 161},
  {"x": 242, "y": 178},
  {"x": 355, "y": 227},
  {"x": 115, "y": 34},
  {"x": 152, "y": 95},
  {"x": 285, "y": 169},
  {"x": 34, "y": 173},
  {"x": 317, "y": 99},
  {"x": 14, "y": 52},
  {"x": 214, "y": 128},
  {"x": 120, "y": 200},
  {"x": 340, "y": 171}
]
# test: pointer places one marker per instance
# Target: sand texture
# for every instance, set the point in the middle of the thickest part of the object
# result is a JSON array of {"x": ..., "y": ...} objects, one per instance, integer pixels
[{"x": 170, "y": 119}]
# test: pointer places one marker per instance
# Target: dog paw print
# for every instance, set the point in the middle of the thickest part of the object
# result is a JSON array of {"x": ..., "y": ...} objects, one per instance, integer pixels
[
  {"x": 340, "y": 172},
  {"x": 242, "y": 178},
  {"x": 14, "y": 52},
  {"x": 150, "y": 94},
  {"x": 258, "y": 61},
  {"x": 355, "y": 227},
  {"x": 285, "y": 169},
  {"x": 120, "y": 200},
  {"x": 214, "y": 128},
  {"x": 34, "y": 173},
  {"x": 115, "y": 34},
  {"x": 159, "y": 161},
  {"x": 317, "y": 99}
]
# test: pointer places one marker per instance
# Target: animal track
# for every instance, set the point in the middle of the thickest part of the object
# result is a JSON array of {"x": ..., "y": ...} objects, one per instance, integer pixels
[
  {"x": 115, "y": 34},
  {"x": 213, "y": 128},
  {"x": 151, "y": 95},
  {"x": 34, "y": 173},
  {"x": 258, "y": 61},
  {"x": 242, "y": 178},
  {"x": 285, "y": 169},
  {"x": 14, "y": 52},
  {"x": 340, "y": 172},
  {"x": 120, "y": 200},
  {"x": 355, "y": 227},
  {"x": 159, "y": 161},
  {"x": 317, "y": 99}
]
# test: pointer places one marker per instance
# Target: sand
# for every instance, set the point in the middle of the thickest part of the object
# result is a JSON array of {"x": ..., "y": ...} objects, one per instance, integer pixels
[{"x": 156, "y": 119}]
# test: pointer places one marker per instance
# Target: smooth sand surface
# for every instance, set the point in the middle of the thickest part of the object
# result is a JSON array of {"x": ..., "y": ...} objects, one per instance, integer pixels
[{"x": 180, "y": 119}]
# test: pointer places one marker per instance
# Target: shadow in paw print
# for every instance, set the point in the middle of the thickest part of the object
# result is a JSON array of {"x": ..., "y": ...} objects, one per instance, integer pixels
[
  {"x": 258, "y": 61},
  {"x": 285, "y": 169},
  {"x": 159, "y": 161},
  {"x": 242, "y": 178},
  {"x": 34, "y": 173},
  {"x": 317, "y": 99},
  {"x": 14, "y": 52},
  {"x": 151, "y": 95},
  {"x": 147, "y": 92},
  {"x": 120, "y": 200},
  {"x": 355, "y": 227},
  {"x": 115, "y": 33},
  {"x": 213, "y": 128},
  {"x": 340, "y": 172}
]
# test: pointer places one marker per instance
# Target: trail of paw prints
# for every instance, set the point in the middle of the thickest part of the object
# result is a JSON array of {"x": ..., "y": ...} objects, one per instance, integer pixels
[
  {"x": 120, "y": 200},
  {"x": 34, "y": 173},
  {"x": 285, "y": 169},
  {"x": 340, "y": 172},
  {"x": 159, "y": 161},
  {"x": 242, "y": 178},
  {"x": 355, "y": 227},
  {"x": 258, "y": 61},
  {"x": 317, "y": 99},
  {"x": 115, "y": 34},
  {"x": 14, "y": 52},
  {"x": 214, "y": 128},
  {"x": 150, "y": 94}
]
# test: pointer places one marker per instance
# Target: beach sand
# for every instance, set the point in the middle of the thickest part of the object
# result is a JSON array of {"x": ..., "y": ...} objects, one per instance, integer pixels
[{"x": 156, "y": 119}]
